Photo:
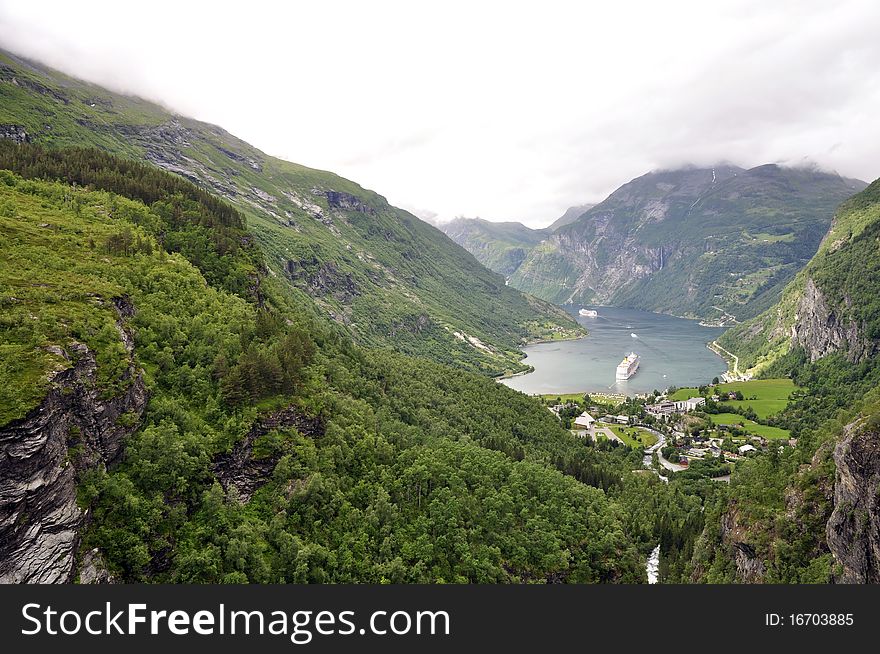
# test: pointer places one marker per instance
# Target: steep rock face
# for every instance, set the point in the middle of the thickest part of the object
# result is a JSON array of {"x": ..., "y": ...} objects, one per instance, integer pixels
[
  {"x": 41, "y": 456},
  {"x": 245, "y": 472},
  {"x": 853, "y": 532},
  {"x": 622, "y": 262},
  {"x": 348, "y": 202},
  {"x": 749, "y": 568},
  {"x": 821, "y": 331}
]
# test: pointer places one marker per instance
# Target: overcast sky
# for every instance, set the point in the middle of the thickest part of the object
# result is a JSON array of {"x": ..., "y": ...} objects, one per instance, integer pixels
[{"x": 505, "y": 111}]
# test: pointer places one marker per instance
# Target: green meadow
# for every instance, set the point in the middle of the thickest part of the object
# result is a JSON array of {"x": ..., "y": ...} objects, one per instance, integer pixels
[
  {"x": 771, "y": 394},
  {"x": 750, "y": 426}
]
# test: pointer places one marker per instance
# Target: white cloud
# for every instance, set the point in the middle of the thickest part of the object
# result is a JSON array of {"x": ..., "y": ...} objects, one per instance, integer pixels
[{"x": 503, "y": 110}]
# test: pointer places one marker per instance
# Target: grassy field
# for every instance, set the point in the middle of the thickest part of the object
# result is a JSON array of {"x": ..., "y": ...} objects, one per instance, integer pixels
[
  {"x": 772, "y": 433},
  {"x": 633, "y": 436},
  {"x": 772, "y": 394}
]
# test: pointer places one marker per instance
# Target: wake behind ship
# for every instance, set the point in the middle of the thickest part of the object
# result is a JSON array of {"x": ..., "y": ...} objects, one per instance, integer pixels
[{"x": 628, "y": 367}]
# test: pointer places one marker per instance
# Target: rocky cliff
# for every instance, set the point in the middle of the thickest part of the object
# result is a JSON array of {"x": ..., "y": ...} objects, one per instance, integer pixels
[
  {"x": 853, "y": 532},
  {"x": 820, "y": 330},
  {"x": 73, "y": 430}
]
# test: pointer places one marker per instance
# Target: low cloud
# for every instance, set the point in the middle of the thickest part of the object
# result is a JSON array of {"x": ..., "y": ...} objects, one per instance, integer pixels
[{"x": 505, "y": 111}]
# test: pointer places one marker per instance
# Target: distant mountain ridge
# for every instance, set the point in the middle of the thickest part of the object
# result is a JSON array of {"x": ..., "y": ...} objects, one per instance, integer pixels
[
  {"x": 571, "y": 214},
  {"x": 503, "y": 246},
  {"x": 715, "y": 243}
]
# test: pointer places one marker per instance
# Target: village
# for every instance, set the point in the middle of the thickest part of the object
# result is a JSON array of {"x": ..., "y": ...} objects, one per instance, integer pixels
[{"x": 703, "y": 431}]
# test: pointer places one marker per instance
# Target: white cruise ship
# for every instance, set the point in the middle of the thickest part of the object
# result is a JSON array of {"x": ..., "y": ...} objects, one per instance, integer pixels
[
  {"x": 627, "y": 368},
  {"x": 589, "y": 313}
]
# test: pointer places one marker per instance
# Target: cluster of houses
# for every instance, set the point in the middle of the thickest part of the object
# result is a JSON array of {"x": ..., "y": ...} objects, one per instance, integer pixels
[
  {"x": 712, "y": 448},
  {"x": 586, "y": 421}
]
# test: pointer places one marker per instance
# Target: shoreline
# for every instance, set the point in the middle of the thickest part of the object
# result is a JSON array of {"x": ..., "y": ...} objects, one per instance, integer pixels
[
  {"x": 511, "y": 375},
  {"x": 540, "y": 341},
  {"x": 531, "y": 369}
]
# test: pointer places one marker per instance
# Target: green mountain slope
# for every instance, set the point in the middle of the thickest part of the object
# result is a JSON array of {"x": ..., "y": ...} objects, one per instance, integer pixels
[
  {"x": 831, "y": 306},
  {"x": 811, "y": 514},
  {"x": 710, "y": 243},
  {"x": 194, "y": 430},
  {"x": 389, "y": 278},
  {"x": 501, "y": 247}
]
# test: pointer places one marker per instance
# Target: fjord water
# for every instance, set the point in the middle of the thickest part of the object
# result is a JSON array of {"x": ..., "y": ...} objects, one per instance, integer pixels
[{"x": 673, "y": 353}]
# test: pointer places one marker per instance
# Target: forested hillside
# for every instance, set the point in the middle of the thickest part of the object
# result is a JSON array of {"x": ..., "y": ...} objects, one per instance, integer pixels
[
  {"x": 199, "y": 428},
  {"x": 387, "y": 277}
]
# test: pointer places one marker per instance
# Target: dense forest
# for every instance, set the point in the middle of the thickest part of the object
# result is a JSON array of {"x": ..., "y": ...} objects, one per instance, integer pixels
[{"x": 272, "y": 448}]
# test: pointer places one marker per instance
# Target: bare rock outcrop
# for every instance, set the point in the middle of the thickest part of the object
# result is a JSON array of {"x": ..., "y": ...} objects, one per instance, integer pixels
[
  {"x": 15, "y": 133},
  {"x": 750, "y": 568},
  {"x": 853, "y": 532},
  {"x": 74, "y": 429},
  {"x": 821, "y": 330},
  {"x": 243, "y": 471}
]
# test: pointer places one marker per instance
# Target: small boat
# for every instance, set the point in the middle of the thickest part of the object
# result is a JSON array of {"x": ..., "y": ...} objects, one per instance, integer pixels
[
  {"x": 634, "y": 335},
  {"x": 589, "y": 313}
]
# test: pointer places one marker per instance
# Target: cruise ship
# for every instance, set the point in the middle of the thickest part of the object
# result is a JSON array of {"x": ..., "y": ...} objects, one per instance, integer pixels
[
  {"x": 589, "y": 313},
  {"x": 627, "y": 368}
]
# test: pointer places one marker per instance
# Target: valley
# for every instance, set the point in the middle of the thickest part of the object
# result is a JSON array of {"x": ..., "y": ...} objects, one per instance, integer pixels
[
  {"x": 714, "y": 244},
  {"x": 217, "y": 366}
]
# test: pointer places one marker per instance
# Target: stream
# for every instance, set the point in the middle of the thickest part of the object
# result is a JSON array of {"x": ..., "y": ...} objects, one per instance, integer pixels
[{"x": 652, "y": 567}]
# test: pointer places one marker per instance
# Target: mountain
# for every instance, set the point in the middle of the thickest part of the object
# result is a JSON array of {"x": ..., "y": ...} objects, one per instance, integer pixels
[
  {"x": 501, "y": 247},
  {"x": 169, "y": 412},
  {"x": 389, "y": 278},
  {"x": 571, "y": 214},
  {"x": 830, "y": 307},
  {"x": 715, "y": 243},
  {"x": 812, "y": 514}
]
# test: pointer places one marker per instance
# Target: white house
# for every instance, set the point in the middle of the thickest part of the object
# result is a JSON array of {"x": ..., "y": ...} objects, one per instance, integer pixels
[
  {"x": 621, "y": 420},
  {"x": 693, "y": 403},
  {"x": 745, "y": 449},
  {"x": 584, "y": 421}
]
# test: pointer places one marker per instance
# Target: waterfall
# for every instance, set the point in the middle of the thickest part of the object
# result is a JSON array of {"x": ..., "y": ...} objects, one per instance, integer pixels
[{"x": 653, "y": 566}]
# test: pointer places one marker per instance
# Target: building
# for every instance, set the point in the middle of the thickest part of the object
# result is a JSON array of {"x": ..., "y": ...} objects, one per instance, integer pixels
[
  {"x": 661, "y": 409},
  {"x": 584, "y": 421},
  {"x": 745, "y": 449},
  {"x": 668, "y": 408},
  {"x": 621, "y": 420}
]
